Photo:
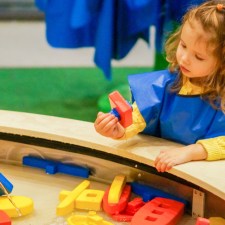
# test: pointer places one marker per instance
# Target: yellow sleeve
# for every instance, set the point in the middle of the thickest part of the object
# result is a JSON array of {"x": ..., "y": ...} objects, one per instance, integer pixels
[
  {"x": 137, "y": 126},
  {"x": 215, "y": 147}
]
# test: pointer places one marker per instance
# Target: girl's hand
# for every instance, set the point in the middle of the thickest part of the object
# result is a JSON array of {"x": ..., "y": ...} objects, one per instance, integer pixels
[
  {"x": 108, "y": 125},
  {"x": 169, "y": 158}
]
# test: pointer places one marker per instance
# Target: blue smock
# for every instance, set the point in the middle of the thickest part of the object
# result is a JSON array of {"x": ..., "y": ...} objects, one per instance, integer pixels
[
  {"x": 112, "y": 27},
  {"x": 181, "y": 118}
]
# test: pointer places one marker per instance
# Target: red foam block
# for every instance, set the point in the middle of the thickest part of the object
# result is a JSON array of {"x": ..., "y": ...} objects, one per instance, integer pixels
[
  {"x": 122, "y": 107},
  {"x": 112, "y": 208},
  {"x": 159, "y": 211},
  {"x": 4, "y": 218},
  {"x": 132, "y": 207}
]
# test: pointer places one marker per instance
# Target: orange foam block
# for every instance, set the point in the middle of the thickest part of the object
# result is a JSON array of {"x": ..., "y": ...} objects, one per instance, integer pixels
[
  {"x": 122, "y": 107},
  {"x": 159, "y": 211},
  {"x": 67, "y": 205}
]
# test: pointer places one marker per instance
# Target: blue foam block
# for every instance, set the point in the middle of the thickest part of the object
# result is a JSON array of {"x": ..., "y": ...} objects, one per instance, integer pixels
[
  {"x": 52, "y": 167},
  {"x": 148, "y": 193},
  {"x": 6, "y": 183}
]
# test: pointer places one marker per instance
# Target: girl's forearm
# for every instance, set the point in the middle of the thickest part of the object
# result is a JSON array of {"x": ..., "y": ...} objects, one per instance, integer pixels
[{"x": 196, "y": 152}]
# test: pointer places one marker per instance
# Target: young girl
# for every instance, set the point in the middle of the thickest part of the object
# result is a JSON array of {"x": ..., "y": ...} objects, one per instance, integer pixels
[{"x": 186, "y": 103}]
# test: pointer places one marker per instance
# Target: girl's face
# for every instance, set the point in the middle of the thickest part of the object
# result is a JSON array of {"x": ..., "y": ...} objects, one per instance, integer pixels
[{"x": 194, "y": 54}]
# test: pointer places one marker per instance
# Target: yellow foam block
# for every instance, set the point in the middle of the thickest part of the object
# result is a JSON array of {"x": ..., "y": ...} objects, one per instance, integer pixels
[
  {"x": 116, "y": 189},
  {"x": 67, "y": 205},
  {"x": 92, "y": 219},
  {"x": 63, "y": 194},
  {"x": 24, "y": 204},
  {"x": 90, "y": 200},
  {"x": 216, "y": 221}
]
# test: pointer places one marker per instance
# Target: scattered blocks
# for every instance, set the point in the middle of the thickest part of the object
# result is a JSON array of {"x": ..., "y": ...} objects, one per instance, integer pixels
[
  {"x": 159, "y": 211},
  {"x": 52, "y": 167},
  {"x": 90, "y": 200},
  {"x": 116, "y": 189},
  {"x": 68, "y": 203},
  {"x": 4, "y": 218},
  {"x": 6, "y": 183},
  {"x": 121, "y": 108}
]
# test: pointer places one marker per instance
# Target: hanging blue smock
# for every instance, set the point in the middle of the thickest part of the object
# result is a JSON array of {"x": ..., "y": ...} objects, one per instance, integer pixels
[
  {"x": 175, "y": 9},
  {"x": 184, "y": 119},
  {"x": 41, "y": 4},
  {"x": 112, "y": 27}
]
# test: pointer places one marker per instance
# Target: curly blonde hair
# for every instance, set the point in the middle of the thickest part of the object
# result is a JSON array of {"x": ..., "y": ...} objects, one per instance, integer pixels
[{"x": 212, "y": 20}]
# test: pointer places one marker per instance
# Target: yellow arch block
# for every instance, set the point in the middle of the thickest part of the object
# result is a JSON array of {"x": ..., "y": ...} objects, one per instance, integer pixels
[
  {"x": 116, "y": 189},
  {"x": 67, "y": 205}
]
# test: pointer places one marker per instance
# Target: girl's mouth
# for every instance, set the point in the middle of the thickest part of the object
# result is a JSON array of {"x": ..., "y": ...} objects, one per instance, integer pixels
[{"x": 183, "y": 69}]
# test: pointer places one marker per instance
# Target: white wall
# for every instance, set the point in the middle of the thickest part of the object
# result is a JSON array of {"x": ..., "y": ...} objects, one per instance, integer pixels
[{"x": 23, "y": 44}]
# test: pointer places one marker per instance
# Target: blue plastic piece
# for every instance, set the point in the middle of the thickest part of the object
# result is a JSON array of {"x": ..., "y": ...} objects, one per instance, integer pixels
[
  {"x": 52, "y": 167},
  {"x": 6, "y": 183},
  {"x": 115, "y": 113},
  {"x": 148, "y": 193}
]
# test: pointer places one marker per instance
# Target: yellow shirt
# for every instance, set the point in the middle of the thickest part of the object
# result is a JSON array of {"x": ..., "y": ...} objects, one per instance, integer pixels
[{"x": 215, "y": 147}]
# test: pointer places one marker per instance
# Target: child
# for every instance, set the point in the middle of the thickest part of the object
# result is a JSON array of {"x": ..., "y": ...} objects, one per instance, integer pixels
[{"x": 186, "y": 103}]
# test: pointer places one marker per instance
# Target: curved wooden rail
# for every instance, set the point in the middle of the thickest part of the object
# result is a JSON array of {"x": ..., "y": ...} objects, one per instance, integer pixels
[
  {"x": 17, "y": 125},
  {"x": 140, "y": 150}
]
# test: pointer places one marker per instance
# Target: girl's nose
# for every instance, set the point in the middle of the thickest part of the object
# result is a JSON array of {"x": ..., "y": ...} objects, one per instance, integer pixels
[{"x": 185, "y": 59}]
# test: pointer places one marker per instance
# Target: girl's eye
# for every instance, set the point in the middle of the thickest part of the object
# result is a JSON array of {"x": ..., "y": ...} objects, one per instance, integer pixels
[
  {"x": 199, "y": 58},
  {"x": 183, "y": 45}
]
